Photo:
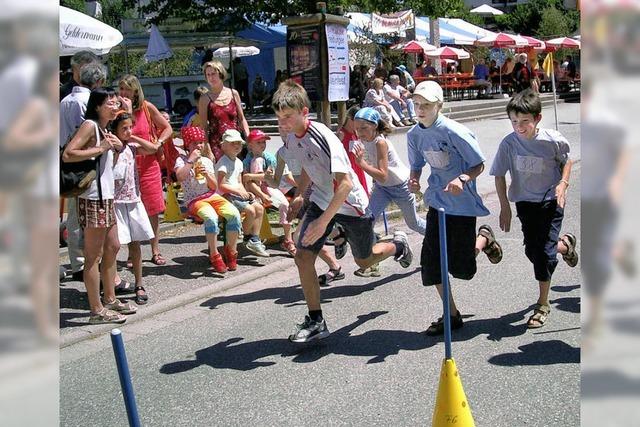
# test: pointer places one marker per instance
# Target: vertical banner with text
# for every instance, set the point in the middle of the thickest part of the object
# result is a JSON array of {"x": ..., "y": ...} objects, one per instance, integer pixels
[
  {"x": 338, "y": 60},
  {"x": 303, "y": 59}
]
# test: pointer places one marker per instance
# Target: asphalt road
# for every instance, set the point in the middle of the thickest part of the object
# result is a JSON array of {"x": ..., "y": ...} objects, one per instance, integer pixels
[{"x": 225, "y": 360}]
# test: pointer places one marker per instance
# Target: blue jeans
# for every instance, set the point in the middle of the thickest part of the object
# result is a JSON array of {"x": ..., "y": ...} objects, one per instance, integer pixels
[
  {"x": 381, "y": 196},
  {"x": 410, "y": 108}
]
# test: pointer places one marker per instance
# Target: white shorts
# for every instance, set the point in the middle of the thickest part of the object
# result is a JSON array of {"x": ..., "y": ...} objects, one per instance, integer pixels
[{"x": 133, "y": 223}]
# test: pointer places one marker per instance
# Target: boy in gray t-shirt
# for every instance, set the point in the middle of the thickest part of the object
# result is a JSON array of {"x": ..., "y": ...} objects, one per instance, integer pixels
[{"x": 539, "y": 165}]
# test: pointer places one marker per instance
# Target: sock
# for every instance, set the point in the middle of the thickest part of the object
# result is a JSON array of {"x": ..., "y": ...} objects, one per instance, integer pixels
[
  {"x": 254, "y": 238},
  {"x": 315, "y": 315},
  {"x": 399, "y": 249}
]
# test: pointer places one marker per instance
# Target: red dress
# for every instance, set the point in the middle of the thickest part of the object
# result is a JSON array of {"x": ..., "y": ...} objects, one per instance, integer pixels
[
  {"x": 149, "y": 172},
  {"x": 221, "y": 118},
  {"x": 347, "y": 137}
]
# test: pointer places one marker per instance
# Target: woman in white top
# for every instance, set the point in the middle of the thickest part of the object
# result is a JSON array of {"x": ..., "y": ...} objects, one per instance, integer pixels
[
  {"x": 375, "y": 99},
  {"x": 95, "y": 206},
  {"x": 378, "y": 158}
]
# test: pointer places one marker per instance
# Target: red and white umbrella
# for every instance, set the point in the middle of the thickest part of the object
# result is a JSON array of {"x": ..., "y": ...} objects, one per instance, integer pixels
[
  {"x": 533, "y": 43},
  {"x": 563, "y": 42},
  {"x": 449, "y": 53},
  {"x": 502, "y": 40},
  {"x": 414, "y": 46}
]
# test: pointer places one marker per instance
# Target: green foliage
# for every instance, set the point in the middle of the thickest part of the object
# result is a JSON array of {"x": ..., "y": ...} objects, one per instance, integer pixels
[
  {"x": 112, "y": 10},
  {"x": 540, "y": 18},
  {"x": 177, "y": 65},
  {"x": 552, "y": 24}
]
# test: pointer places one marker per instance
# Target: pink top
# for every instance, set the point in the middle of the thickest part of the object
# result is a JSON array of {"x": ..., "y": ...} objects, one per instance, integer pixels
[{"x": 149, "y": 172}]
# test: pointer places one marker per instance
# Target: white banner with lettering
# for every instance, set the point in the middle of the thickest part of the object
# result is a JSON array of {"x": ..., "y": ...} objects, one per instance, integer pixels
[
  {"x": 393, "y": 23},
  {"x": 338, "y": 53}
]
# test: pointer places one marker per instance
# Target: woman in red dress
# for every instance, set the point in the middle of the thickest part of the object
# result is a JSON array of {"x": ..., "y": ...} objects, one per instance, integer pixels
[
  {"x": 148, "y": 124},
  {"x": 220, "y": 109}
]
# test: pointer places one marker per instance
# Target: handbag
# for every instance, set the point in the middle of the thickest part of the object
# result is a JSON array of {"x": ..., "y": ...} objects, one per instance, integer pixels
[{"x": 76, "y": 177}]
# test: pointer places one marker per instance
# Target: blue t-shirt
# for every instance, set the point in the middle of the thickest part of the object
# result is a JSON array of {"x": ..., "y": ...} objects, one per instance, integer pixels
[
  {"x": 269, "y": 161},
  {"x": 481, "y": 72},
  {"x": 535, "y": 165},
  {"x": 450, "y": 149}
]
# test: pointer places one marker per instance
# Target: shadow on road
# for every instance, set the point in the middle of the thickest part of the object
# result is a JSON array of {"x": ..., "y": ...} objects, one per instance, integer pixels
[
  {"x": 376, "y": 344},
  {"x": 292, "y": 295},
  {"x": 551, "y": 352}
]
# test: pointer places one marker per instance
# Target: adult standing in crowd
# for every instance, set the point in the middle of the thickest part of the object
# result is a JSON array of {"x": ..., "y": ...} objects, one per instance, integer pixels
[
  {"x": 241, "y": 80},
  {"x": 72, "y": 111},
  {"x": 521, "y": 74},
  {"x": 95, "y": 207},
  {"x": 78, "y": 60},
  {"x": 148, "y": 125},
  {"x": 220, "y": 109}
]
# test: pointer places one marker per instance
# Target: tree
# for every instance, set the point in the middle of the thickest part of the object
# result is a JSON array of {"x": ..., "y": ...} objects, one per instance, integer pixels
[
  {"x": 552, "y": 24},
  {"x": 112, "y": 10}
]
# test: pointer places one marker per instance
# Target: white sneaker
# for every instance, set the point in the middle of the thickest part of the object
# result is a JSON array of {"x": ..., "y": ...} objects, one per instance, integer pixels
[{"x": 257, "y": 248}]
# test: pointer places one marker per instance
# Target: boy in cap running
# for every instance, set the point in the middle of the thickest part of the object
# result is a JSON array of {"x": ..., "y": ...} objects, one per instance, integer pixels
[{"x": 455, "y": 158}]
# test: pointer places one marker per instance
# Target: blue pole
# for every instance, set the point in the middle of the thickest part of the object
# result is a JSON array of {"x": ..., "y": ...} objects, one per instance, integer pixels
[
  {"x": 444, "y": 267},
  {"x": 125, "y": 378},
  {"x": 386, "y": 226}
]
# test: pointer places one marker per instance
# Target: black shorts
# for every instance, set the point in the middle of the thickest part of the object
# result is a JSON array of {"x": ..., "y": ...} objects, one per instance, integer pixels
[
  {"x": 461, "y": 248},
  {"x": 358, "y": 231},
  {"x": 541, "y": 223}
]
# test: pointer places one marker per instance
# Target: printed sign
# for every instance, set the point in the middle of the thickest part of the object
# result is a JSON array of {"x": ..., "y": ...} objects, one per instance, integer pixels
[{"x": 338, "y": 60}]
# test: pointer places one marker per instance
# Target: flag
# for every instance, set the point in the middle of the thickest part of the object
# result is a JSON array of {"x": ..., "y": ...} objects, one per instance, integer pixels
[{"x": 547, "y": 65}]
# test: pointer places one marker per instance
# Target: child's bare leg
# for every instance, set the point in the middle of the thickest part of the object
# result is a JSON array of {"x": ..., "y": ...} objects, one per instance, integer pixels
[
  {"x": 287, "y": 231},
  {"x": 212, "y": 242},
  {"x": 543, "y": 299},
  {"x": 232, "y": 240},
  {"x": 453, "y": 310},
  {"x": 257, "y": 222},
  {"x": 305, "y": 260},
  {"x": 481, "y": 243},
  {"x": 135, "y": 253},
  {"x": 249, "y": 219},
  {"x": 379, "y": 252},
  {"x": 326, "y": 255}
]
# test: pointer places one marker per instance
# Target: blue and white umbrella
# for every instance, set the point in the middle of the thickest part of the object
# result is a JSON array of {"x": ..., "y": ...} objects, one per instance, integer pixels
[{"x": 158, "y": 48}]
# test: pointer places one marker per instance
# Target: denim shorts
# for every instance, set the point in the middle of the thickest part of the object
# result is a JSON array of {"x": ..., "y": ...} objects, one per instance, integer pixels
[
  {"x": 237, "y": 201},
  {"x": 358, "y": 230},
  {"x": 461, "y": 248}
]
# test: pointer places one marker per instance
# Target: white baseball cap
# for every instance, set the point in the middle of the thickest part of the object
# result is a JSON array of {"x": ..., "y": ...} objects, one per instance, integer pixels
[
  {"x": 232, "y": 135},
  {"x": 429, "y": 90}
]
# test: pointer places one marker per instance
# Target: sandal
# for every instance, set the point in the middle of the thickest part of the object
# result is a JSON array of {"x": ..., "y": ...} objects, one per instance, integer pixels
[
  {"x": 124, "y": 287},
  {"x": 107, "y": 316},
  {"x": 493, "y": 248},
  {"x": 373, "y": 271},
  {"x": 141, "y": 299},
  {"x": 158, "y": 259},
  {"x": 571, "y": 257},
  {"x": 539, "y": 316},
  {"x": 437, "y": 327},
  {"x": 289, "y": 246},
  {"x": 330, "y": 276},
  {"x": 340, "y": 248},
  {"x": 120, "y": 307}
]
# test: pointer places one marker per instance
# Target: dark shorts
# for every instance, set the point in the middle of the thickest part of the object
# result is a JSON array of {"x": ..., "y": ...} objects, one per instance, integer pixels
[
  {"x": 358, "y": 230},
  {"x": 461, "y": 248},
  {"x": 541, "y": 223}
]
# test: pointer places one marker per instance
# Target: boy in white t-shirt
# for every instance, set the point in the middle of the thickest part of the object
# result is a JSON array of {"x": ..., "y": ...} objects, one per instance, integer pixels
[
  {"x": 337, "y": 196},
  {"x": 229, "y": 172}
]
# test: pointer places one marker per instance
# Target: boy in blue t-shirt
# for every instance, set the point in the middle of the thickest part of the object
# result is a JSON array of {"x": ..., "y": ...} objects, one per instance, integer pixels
[
  {"x": 539, "y": 165},
  {"x": 455, "y": 158}
]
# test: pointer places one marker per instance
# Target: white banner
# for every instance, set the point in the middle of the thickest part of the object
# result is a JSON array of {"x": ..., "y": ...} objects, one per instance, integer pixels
[
  {"x": 394, "y": 23},
  {"x": 338, "y": 54}
]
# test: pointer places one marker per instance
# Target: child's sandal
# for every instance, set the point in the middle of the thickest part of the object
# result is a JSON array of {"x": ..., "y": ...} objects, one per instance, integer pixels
[
  {"x": 330, "y": 276},
  {"x": 141, "y": 299},
  {"x": 539, "y": 316},
  {"x": 493, "y": 248},
  {"x": 571, "y": 257},
  {"x": 289, "y": 246}
]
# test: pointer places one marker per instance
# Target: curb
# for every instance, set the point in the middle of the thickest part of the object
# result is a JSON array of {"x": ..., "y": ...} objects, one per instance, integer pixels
[{"x": 81, "y": 334}]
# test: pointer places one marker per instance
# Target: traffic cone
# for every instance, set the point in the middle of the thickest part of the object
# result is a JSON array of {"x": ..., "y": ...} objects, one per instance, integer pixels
[
  {"x": 172, "y": 210},
  {"x": 452, "y": 407},
  {"x": 266, "y": 235}
]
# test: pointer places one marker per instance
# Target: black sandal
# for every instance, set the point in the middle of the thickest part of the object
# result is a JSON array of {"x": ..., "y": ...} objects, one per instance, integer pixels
[
  {"x": 330, "y": 276},
  {"x": 340, "y": 248},
  {"x": 124, "y": 287},
  {"x": 141, "y": 299},
  {"x": 437, "y": 327}
]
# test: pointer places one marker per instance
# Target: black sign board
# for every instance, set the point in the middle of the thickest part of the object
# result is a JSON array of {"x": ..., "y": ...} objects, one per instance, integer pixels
[{"x": 303, "y": 59}]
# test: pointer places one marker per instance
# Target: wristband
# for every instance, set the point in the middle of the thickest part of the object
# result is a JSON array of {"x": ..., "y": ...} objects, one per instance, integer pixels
[{"x": 565, "y": 181}]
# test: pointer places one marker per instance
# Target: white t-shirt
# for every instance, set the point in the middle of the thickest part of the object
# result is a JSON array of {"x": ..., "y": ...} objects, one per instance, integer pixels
[
  {"x": 232, "y": 169},
  {"x": 397, "y": 172},
  {"x": 321, "y": 155}
]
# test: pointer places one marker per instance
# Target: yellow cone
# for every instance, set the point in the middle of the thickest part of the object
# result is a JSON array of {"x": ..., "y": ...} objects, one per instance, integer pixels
[
  {"x": 266, "y": 235},
  {"x": 452, "y": 407},
  {"x": 172, "y": 210}
]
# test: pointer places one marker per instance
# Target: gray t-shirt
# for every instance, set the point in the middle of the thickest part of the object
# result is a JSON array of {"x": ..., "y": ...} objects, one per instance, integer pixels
[{"x": 535, "y": 165}]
